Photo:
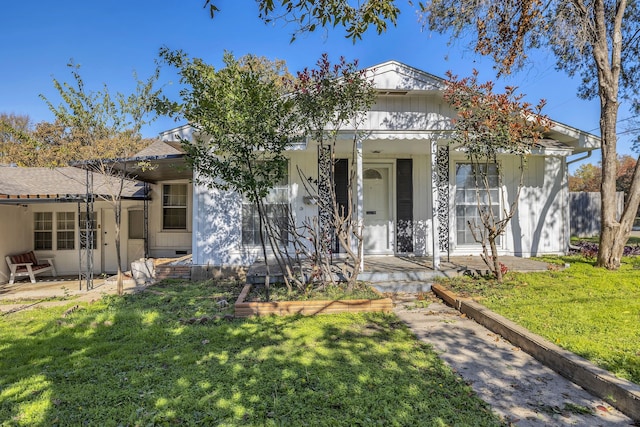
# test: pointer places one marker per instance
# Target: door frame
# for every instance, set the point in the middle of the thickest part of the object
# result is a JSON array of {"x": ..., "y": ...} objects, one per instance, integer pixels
[
  {"x": 390, "y": 165},
  {"x": 107, "y": 245}
]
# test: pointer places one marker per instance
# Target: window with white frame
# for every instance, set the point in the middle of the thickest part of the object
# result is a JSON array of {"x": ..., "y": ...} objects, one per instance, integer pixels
[
  {"x": 174, "y": 206},
  {"x": 43, "y": 230},
  {"x": 276, "y": 206},
  {"x": 136, "y": 224},
  {"x": 472, "y": 194},
  {"x": 65, "y": 230}
]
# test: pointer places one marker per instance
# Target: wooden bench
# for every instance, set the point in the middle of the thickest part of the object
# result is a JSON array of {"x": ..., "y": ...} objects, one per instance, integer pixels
[{"x": 26, "y": 264}]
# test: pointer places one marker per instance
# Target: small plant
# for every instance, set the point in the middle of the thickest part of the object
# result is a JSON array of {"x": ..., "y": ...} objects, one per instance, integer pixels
[
  {"x": 577, "y": 409},
  {"x": 503, "y": 269}
]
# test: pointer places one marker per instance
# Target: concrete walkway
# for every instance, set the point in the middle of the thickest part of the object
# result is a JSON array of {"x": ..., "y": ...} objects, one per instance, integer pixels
[
  {"x": 520, "y": 389},
  {"x": 46, "y": 291}
]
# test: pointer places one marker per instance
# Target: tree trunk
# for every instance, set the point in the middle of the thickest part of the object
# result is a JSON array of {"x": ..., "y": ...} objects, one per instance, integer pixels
[
  {"x": 613, "y": 233},
  {"x": 496, "y": 261},
  {"x": 119, "y": 278}
]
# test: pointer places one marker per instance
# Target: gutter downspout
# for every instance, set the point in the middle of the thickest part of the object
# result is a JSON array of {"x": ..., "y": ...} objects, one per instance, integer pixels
[{"x": 580, "y": 158}]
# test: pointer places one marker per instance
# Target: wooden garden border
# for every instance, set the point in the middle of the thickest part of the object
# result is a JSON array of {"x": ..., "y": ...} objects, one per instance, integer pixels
[{"x": 309, "y": 308}]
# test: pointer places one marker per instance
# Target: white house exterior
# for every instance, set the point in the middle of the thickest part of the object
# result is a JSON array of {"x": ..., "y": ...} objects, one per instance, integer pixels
[
  {"x": 413, "y": 198},
  {"x": 412, "y": 183}
]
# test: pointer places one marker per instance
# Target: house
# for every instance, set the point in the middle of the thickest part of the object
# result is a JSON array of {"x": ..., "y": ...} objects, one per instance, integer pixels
[
  {"x": 44, "y": 210},
  {"x": 415, "y": 199}
]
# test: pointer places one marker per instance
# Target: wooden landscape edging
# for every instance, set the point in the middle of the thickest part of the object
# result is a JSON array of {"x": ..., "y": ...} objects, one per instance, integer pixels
[
  {"x": 309, "y": 308},
  {"x": 619, "y": 393}
]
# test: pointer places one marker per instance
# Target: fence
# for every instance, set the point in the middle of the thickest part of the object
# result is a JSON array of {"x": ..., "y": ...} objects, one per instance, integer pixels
[{"x": 584, "y": 208}]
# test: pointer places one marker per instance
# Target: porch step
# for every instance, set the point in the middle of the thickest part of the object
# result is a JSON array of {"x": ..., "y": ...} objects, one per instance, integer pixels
[{"x": 403, "y": 286}]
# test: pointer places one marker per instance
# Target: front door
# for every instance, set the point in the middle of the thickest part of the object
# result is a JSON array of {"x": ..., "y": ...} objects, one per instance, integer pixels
[
  {"x": 108, "y": 241},
  {"x": 377, "y": 209}
]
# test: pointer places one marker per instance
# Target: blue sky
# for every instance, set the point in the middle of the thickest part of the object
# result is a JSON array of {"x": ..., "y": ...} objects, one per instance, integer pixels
[{"x": 112, "y": 39}]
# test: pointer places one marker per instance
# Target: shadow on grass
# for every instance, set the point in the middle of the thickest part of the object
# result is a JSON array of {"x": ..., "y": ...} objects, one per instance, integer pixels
[{"x": 137, "y": 361}]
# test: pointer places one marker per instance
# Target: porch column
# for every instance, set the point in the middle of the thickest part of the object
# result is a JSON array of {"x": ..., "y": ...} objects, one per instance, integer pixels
[
  {"x": 435, "y": 223},
  {"x": 359, "y": 195}
]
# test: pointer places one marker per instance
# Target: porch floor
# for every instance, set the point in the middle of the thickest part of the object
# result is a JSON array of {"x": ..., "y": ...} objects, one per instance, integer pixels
[
  {"x": 457, "y": 264},
  {"x": 382, "y": 269}
]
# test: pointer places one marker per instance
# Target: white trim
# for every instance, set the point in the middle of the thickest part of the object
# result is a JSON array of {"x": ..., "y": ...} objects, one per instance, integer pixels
[{"x": 435, "y": 222}]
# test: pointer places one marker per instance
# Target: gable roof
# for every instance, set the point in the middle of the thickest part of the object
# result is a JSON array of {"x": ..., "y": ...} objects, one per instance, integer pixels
[
  {"x": 58, "y": 184},
  {"x": 396, "y": 78}
]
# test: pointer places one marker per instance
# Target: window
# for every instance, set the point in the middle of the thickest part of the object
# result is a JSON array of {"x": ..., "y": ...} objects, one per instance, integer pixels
[
  {"x": 174, "y": 206},
  {"x": 43, "y": 230},
  {"x": 277, "y": 209},
  {"x": 471, "y": 191},
  {"x": 65, "y": 230},
  {"x": 92, "y": 230},
  {"x": 136, "y": 224}
]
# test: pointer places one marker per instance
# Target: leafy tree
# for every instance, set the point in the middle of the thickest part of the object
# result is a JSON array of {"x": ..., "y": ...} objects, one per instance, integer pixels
[
  {"x": 588, "y": 177},
  {"x": 99, "y": 128},
  {"x": 489, "y": 126},
  {"x": 13, "y": 127},
  {"x": 244, "y": 124},
  {"x": 597, "y": 40},
  {"x": 246, "y": 116},
  {"x": 310, "y": 15}
]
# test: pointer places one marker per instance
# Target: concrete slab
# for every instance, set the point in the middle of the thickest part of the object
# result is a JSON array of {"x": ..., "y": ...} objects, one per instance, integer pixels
[
  {"x": 523, "y": 391},
  {"x": 381, "y": 269},
  {"x": 27, "y": 294}
]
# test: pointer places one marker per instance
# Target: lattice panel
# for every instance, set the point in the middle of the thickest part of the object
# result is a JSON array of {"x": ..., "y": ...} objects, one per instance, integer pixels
[{"x": 442, "y": 170}]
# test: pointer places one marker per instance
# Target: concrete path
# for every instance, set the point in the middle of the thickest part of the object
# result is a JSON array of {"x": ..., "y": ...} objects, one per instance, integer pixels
[{"x": 519, "y": 388}]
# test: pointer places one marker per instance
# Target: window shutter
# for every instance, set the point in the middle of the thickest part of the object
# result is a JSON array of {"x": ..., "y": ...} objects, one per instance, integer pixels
[{"x": 404, "y": 208}]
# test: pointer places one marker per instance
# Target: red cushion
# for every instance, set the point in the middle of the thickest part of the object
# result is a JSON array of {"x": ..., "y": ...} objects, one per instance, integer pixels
[
  {"x": 33, "y": 267},
  {"x": 24, "y": 258}
]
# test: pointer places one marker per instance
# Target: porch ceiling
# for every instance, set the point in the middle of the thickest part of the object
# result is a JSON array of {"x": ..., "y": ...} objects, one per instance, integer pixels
[
  {"x": 382, "y": 147},
  {"x": 162, "y": 169}
]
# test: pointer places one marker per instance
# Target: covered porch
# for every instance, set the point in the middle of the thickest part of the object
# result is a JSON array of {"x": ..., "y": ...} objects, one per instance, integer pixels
[{"x": 411, "y": 273}]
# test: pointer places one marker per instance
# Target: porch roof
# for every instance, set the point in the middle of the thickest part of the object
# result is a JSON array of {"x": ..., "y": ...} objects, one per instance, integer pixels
[
  {"x": 165, "y": 161},
  {"x": 64, "y": 184}
]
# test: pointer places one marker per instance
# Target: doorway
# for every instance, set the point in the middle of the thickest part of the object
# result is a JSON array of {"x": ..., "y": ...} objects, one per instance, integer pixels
[
  {"x": 108, "y": 241},
  {"x": 378, "y": 238}
]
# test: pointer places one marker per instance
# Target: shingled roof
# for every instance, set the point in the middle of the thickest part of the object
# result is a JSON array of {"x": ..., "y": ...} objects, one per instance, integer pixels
[{"x": 58, "y": 184}]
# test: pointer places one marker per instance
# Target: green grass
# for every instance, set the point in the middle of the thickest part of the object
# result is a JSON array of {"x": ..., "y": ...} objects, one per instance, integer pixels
[
  {"x": 590, "y": 311},
  {"x": 135, "y": 361}
]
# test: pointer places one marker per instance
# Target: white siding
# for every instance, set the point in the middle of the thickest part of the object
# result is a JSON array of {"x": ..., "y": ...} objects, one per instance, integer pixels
[
  {"x": 16, "y": 238},
  {"x": 16, "y": 228},
  {"x": 539, "y": 224},
  {"x": 168, "y": 243}
]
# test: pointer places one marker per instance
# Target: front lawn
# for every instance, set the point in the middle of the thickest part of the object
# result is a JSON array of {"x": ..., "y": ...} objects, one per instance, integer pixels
[
  {"x": 590, "y": 311},
  {"x": 169, "y": 356}
]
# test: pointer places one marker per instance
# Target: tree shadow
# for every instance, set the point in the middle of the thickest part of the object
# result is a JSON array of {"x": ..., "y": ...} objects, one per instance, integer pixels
[{"x": 140, "y": 359}]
